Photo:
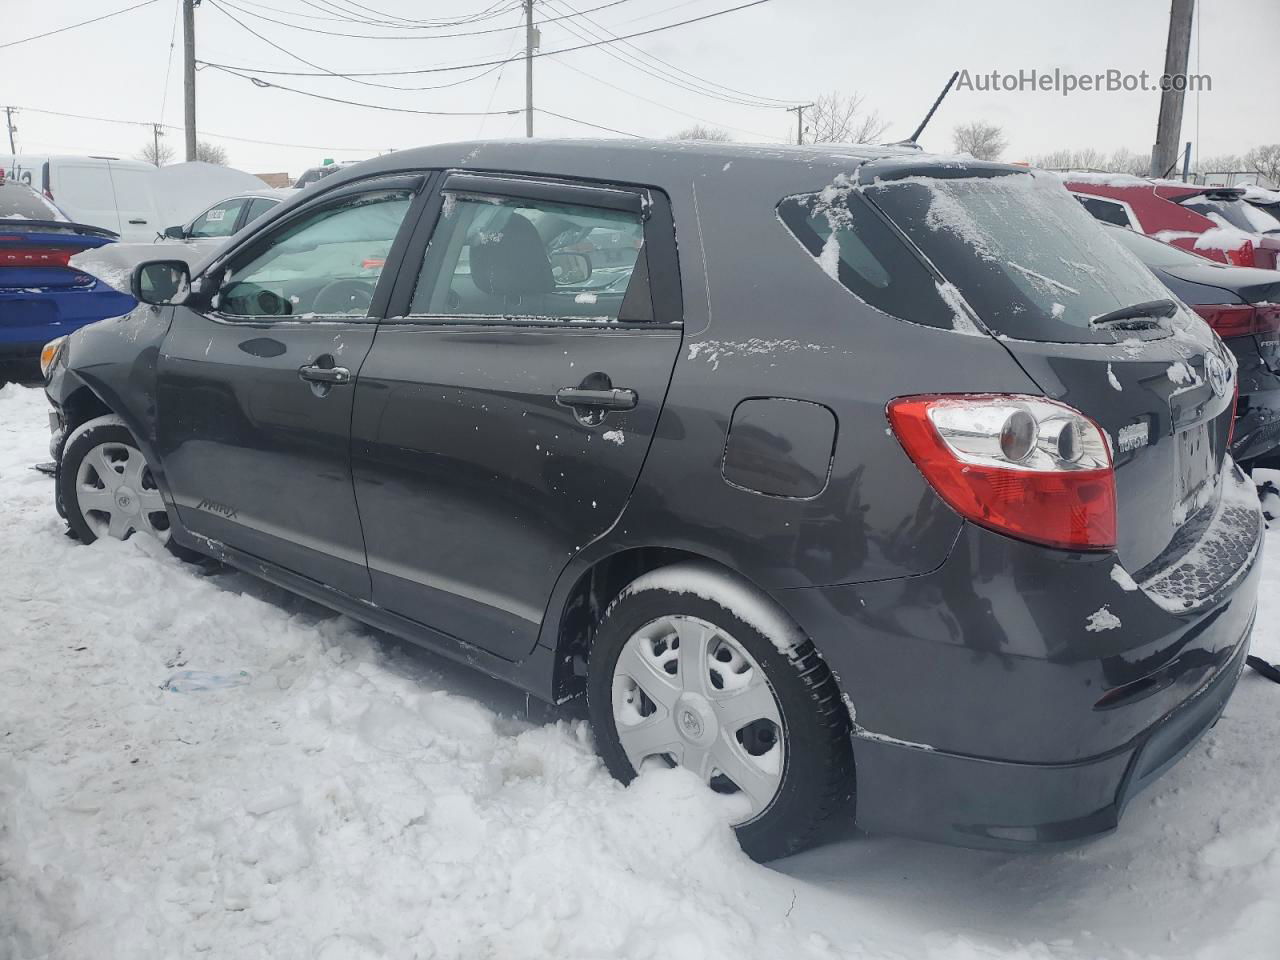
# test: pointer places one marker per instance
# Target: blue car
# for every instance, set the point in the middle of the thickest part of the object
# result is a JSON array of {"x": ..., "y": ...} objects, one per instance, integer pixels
[{"x": 41, "y": 295}]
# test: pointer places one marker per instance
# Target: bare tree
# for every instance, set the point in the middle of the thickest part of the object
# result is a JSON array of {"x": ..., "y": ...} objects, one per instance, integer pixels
[
  {"x": 156, "y": 153},
  {"x": 211, "y": 153},
  {"x": 700, "y": 131},
  {"x": 1220, "y": 163},
  {"x": 1128, "y": 161},
  {"x": 1265, "y": 161},
  {"x": 983, "y": 140},
  {"x": 836, "y": 118}
]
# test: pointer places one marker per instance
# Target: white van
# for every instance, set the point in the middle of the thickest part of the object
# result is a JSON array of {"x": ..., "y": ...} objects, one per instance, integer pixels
[{"x": 99, "y": 191}]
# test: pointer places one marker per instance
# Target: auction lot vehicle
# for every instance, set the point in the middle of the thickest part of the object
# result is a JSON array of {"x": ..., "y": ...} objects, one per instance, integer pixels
[
  {"x": 106, "y": 192},
  {"x": 1242, "y": 305},
  {"x": 41, "y": 295},
  {"x": 1213, "y": 222},
  {"x": 866, "y": 461},
  {"x": 215, "y": 224}
]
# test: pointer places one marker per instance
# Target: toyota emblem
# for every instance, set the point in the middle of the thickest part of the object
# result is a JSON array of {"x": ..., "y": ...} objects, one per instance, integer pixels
[{"x": 1218, "y": 374}]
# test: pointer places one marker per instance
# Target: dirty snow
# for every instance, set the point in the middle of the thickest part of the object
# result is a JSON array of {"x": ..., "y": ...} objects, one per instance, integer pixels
[
  {"x": 352, "y": 800},
  {"x": 1121, "y": 576},
  {"x": 1113, "y": 379}
]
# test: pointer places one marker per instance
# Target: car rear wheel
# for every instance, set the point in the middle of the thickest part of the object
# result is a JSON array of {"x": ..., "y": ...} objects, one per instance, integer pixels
[
  {"x": 677, "y": 679},
  {"x": 107, "y": 487}
]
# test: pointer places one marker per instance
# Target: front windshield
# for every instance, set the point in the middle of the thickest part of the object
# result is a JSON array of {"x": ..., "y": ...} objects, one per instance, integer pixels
[{"x": 1030, "y": 260}]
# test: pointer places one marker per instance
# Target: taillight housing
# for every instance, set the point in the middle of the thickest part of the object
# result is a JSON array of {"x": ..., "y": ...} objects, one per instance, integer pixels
[
  {"x": 1240, "y": 319},
  {"x": 1242, "y": 256},
  {"x": 1024, "y": 466},
  {"x": 13, "y": 254}
]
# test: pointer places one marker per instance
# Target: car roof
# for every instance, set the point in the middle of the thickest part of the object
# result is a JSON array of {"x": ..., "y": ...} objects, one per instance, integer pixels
[{"x": 659, "y": 162}]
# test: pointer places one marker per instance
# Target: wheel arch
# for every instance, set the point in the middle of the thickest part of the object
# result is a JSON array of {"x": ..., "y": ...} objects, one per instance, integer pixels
[{"x": 572, "y": 630}]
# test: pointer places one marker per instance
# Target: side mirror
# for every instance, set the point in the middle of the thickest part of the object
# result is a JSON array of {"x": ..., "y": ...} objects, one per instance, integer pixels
[
  {"x": 570, "y": 268},
  {"x": 175, "y": 233},
  {"x": 161, "y": 283}
]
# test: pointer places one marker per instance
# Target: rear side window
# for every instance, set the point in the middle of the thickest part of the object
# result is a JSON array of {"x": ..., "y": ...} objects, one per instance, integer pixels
[
  {"x": 257, "y": 207},
  {"x": 856, "y": 248},
  {"x": 504, "y": 258},
  {"x": 1108, "y": 211},
  {"x": 20, "y": 202}
]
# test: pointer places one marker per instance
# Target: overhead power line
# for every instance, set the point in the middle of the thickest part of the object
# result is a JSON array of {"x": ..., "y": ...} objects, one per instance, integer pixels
[
  {"x": 82, "y": 23},
  {"x": 486, "y": 63},
  {"x": 692, "y": 77},
  {"x": 400, "y": 36},
  {"x": 346, "y": 15},
  {"x": 266, "y": 84}
]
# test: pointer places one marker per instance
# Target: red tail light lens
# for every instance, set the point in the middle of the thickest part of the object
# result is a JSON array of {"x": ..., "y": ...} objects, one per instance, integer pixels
[
  {"x": 1023, "y": 466},
  {"x": 28, "y": 256},
  {"x": 1242, "y": 256},
  {"x": 1240, "y": 320}
]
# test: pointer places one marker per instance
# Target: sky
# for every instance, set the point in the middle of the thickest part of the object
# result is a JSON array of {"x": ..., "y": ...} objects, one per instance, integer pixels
[{"x": 897, "y": 56}]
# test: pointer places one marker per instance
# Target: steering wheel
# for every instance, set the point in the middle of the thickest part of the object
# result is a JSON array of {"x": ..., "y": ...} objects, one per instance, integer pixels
[{"x": 343, "y": 297}]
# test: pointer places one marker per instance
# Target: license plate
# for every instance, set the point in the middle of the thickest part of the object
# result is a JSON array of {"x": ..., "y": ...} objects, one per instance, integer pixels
[{"x": 1195, "y": 472}]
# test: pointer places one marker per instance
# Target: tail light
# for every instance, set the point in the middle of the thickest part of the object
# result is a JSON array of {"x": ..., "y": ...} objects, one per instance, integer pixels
[
  {"x": 1240, "y": 320},
  {"x": 1024, "y": 466},
  {"x": 1242, "y": 256},
  {"x": 15, "y": 253}
]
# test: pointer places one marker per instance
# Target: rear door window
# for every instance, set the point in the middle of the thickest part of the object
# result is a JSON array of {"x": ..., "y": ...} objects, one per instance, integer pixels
[
  {"x": 1026, "y": 256},
  {"x": 257, "y": 207},
  {"x": 501, "y": 257}
]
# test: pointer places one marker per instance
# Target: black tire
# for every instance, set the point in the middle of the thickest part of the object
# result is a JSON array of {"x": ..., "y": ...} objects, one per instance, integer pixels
[
  {"x": 106, "y": 429},
  {"x": 817, "y": 778}
]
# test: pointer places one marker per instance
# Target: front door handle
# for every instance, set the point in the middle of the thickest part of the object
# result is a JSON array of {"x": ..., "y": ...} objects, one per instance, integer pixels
[
  {"x": 138, "y": 222},
  {"x": 617, "y": 399},
  {"x": 317, "y": 374}
]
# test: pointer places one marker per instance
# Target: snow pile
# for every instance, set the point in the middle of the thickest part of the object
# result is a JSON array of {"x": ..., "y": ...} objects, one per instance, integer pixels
[{"x": 303, "y": 789}]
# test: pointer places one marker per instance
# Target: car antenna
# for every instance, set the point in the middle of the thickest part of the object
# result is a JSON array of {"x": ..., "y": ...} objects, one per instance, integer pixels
[{"x": 915, "y": 137}]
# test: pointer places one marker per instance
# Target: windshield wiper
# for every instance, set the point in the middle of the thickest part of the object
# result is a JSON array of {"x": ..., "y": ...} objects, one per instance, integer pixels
[{"x": 1151, "y": 310}]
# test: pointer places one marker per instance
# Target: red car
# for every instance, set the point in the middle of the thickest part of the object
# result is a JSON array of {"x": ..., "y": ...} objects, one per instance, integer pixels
[{"x": 1214, "y": 222}]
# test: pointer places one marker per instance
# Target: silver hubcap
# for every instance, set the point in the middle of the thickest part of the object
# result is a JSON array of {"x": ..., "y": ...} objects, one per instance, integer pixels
[
  {"x": 686, "y": 693},
  {"x": 117, "y": 495}
]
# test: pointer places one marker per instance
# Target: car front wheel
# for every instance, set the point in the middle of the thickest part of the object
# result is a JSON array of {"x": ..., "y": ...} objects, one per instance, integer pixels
[
  {"x": 107, "y": 487},
  {"x": 680, "y": 679}
]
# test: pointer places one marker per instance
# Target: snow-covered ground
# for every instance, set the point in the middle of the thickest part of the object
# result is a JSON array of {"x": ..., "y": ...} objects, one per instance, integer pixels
[{"x": 335, "y": 797}]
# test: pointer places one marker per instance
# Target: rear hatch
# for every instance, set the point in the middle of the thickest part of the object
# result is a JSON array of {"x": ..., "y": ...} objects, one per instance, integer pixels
[{"x": 1039, "y": 272}]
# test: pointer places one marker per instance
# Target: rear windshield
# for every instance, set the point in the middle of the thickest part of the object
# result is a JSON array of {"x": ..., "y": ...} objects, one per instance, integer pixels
[
  {"x": 1026, "y": 256},
  {"x": 20, "y": 202},
  {"x": 1239, "y": 214}
]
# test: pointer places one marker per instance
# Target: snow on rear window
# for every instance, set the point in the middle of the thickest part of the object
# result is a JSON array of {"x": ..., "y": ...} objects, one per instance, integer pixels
[
  {"x": 20, "y": 202},
  {"x": 1022, "y": 252}
]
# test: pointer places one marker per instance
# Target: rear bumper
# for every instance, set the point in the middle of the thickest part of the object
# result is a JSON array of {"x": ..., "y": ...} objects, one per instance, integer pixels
[
  {"x": 30, "y": 320},
  {"x": 1257, "y": 429},
  {"x": 990, "y": 804},
  {"x": 994, "y": 707}
]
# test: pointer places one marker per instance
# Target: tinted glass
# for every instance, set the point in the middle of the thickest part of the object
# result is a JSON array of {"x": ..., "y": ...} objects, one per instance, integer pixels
[
  {"x": 500, "y": 257},
  {"x": 20, "y": 202},
  {"x": 1026, "y": 256},
  {"x": 1235, "y": 213},
  {"x": 1105, "y": 210},
  {"x": 218, "y": 221},
  {"x": 326, "y": 262},
  {"x": 258, "y": 206},
  {"x": 858, "y": 249}
]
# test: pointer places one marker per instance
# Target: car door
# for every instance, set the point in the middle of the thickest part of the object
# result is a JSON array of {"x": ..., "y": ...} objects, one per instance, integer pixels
[
  {"x": 136, "y": 203},
  {"x": 504, "y": 412},
  {"x": 83, "y": 191},
  {"x": 255, "y": 391}
]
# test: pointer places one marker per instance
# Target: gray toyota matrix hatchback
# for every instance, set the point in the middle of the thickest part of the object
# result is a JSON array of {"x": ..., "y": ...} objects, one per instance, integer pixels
[{"x": 825, "y": 474}]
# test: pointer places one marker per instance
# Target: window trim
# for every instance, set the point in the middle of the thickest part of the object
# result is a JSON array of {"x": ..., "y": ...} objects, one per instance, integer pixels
[
  {"x": 650, "y": 203},
  {"x": 210, "y": 278}
]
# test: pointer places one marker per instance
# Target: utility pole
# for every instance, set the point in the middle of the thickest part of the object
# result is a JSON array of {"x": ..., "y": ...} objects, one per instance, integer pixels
[
  {"x": 8, "y": 116},
  {"x": 530, "y": 44},
  {"x": 799, "y": 112},
  {"x": 156, "y": 134},
  {"x": 189, "y": 72},
  {"x": 1169, "y": 127}
]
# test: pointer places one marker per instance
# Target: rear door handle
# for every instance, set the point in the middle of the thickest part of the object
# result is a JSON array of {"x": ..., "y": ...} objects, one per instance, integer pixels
[
  {"x": 316, "y": 374},
  {"x": 617, "y": 399}
]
